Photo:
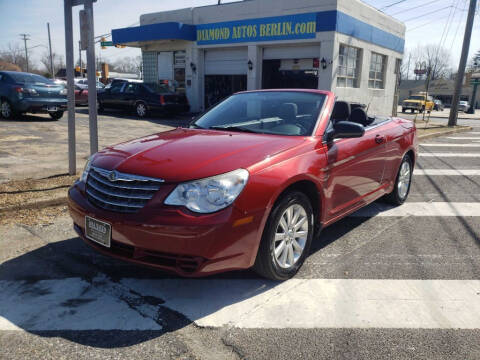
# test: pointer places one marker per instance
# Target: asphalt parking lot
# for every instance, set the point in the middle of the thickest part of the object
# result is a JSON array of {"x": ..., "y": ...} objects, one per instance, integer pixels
[
  {"x": 399, "y": 283},
  {"x": 35, "y": 146}
]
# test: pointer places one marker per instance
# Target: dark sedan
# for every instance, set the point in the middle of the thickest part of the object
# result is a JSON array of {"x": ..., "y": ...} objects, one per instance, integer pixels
[
  {"x": 24, "y": 92},
  {"x": 141, "y": 98}
]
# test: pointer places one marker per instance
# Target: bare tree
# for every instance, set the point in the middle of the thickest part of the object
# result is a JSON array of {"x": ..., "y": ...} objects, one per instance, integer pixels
[
  {"x": 127, "y": 64},
  {"x": 438, "y": 59},
  {"x": 14, "y": 54},
  {"x": 58, "y": 62},
  {"x": 474, "y": 63}
]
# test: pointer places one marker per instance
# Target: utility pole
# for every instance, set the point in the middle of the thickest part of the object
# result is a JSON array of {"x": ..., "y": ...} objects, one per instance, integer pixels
[
  {"x": 452, "y": 120},
  {"x": 50, "y": 49},
  {"x": 92, "y": 78},
  {"x": 80, "y": 57},
  {"x": 25, "y": 37},
  {"x": 72, "y": 159}
]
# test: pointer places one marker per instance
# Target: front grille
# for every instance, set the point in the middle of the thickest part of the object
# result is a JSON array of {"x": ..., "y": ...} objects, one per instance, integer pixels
[{"x": 120, "y": 192}]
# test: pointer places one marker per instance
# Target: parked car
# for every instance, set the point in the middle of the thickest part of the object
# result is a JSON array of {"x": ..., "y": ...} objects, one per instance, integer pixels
[
  {"x": 463, "y": 106},
  {"x": 141, "y": 98},
  {"x": 81, "y": 91},
  {"x": 83, "y": 83},
  {"x": 249, "y": 183},
  {"x": 81, "y": 95},
  {"x": 438, "y": 105},
  {"x": 22, "y": 92},
  {"x": 419, "y": 102}
]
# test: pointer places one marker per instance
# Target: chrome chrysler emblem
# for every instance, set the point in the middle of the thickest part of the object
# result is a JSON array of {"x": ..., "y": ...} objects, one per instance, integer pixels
[{"x": 113, "y": 175}]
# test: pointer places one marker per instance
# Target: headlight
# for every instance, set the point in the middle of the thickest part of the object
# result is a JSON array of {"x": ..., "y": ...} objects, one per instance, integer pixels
[
  {"x": 210, "y": 194},
  {"x": 63, "y": 91},
  {"x": 86, "y": 169}
]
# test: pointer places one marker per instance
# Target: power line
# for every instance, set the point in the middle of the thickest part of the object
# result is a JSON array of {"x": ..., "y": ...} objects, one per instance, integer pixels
[
  {"x": 432, "y": 12},
  {"x": 413, "y": 8},
  {"x": 427, "y": 23},
  {"x": 395, "y": 3}
]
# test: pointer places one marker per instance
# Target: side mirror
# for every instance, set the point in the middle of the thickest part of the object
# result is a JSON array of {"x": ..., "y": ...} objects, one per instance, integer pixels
[{"x": 346, "y": 129}]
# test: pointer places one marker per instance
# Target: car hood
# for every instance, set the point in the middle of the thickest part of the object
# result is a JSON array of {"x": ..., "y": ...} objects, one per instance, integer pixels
[{"x": 187, "y": 154}]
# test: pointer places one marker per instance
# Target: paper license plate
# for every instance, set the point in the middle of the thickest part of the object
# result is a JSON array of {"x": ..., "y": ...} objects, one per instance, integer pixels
[{"x": 98, "y": 231}]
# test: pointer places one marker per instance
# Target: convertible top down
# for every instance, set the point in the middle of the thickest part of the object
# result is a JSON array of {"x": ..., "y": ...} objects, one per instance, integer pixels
[{"x": 247, "y": 184}]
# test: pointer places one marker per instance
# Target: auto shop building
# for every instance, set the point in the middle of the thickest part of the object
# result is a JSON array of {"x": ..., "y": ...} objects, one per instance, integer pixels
[{"x": 209, "y": 52}]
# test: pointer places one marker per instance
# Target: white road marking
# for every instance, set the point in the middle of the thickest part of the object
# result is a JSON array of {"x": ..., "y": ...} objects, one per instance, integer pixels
[
  {"x": 447, "y": 172},
  {"x": 463, "y": 138},
  {"x": 420, "y": 209},
  {"x": 449, "y": 145},
  {"x": 444, "y": 155},
  {"x": 297, "y": 303}
]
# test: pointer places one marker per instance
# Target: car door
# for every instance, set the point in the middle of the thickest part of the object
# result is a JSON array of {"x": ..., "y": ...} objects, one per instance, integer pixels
[
  {"x": 110, "y": 99},
  {"x": 128, "y": 95},
  {"x": 355, "y": 170}
]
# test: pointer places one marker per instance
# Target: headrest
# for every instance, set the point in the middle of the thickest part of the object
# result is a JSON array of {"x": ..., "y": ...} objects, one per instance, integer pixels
[
  {"x": 359, "y": 116},
  {"x": 341, "y": 111},
  {"x": 288, "y": 111}
]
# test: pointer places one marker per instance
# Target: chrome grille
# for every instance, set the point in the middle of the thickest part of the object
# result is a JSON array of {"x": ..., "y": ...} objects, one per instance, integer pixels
[{"x": 120, "y": 192}]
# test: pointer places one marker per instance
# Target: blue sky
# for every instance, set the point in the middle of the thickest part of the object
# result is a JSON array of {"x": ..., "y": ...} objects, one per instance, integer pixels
[{"x": 31, "y": 16}]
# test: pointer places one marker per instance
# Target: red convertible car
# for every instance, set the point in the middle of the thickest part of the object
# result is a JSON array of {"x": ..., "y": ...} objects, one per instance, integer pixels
[{"x": 249, "y": 184}]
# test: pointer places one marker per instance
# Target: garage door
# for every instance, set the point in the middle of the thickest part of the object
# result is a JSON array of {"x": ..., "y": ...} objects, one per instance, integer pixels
[
  {"x": 226, "y": 61},
  {"x": 292, "y": 52}
]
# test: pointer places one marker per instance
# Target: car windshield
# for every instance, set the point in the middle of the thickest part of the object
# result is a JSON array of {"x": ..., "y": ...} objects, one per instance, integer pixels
[
  {"x": 463, "y": 103},
  {"x": 30, "y": 79},
  {"x": 157, "y": 88},
  {"x": 266, "y": 112},
  {"x": 417, "y": 97}
]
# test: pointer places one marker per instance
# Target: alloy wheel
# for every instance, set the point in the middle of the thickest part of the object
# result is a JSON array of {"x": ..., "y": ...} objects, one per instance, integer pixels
[
  {"x": 6, "y": 110},
  {"x": 291, "y": 236},
  {"x": 404, "y": 179},
  {"x": 141, "y": 110}
]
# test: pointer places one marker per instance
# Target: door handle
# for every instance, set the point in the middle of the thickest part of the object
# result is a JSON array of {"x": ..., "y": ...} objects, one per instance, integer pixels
[{"x": 379, "y": 139}]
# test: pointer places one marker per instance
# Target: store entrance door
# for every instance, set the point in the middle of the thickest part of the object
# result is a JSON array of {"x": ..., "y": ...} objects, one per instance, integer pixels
[
  {"x": 282, "y": 74},
  {"x": 218, "y": 87}
]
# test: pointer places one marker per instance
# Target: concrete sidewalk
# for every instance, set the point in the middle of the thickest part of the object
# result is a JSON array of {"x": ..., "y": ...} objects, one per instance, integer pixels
[{"x": 443, "y": 114}]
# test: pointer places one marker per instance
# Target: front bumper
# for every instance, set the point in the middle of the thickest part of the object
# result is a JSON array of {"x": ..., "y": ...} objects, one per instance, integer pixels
[
  {"x": 170, "y": 238},
  {"x": 41, "y": 104},
  {"x": 412, "y": 106}
]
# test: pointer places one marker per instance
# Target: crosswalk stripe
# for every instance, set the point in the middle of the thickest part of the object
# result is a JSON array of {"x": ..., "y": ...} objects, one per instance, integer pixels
[
  {"x": 420, "y": 209},
  {"x": 463, "y": 137},
  {"x": 449, "y": 145},
  {"x": 251, "y": 303},
  {"x": 447, "y": 172},
  {"x": 443, "y": 155}
]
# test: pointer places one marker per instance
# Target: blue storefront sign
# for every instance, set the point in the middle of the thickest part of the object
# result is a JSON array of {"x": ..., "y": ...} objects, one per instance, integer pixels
[{"x": 288, "y": 27}]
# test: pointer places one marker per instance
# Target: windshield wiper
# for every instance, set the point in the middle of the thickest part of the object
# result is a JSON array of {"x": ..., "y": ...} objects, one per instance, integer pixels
[{"x": 233, "y": 128}]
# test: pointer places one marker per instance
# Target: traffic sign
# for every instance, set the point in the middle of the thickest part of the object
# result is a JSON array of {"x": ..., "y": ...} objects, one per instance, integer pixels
[{"x": 106, "y": 43}]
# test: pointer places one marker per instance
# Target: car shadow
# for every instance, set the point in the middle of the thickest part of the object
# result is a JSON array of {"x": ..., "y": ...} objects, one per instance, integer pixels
[{"x": 66, "y": 289}]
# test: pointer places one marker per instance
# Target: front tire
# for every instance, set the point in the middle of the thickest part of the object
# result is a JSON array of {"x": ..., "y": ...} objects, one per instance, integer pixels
[
  {"x": 57, "y": 115},
  {"x": 403, "y": 110},
  {"x": 286, "y": 238},
  {"x": 402, "y": 183}
]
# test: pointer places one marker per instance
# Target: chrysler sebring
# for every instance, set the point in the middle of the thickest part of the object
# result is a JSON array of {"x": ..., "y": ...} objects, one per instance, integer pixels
[{"x": 250, "y": 183}]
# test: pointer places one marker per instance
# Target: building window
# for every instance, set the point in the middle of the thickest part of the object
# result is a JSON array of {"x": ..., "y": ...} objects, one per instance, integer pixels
[
  {"x": 376, "y": 76},
  {"x": 348, "y": 65}
]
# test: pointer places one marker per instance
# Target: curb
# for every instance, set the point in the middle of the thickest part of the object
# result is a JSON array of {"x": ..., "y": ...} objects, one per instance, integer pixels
[
  {"x": 61, "y": 200},
  {"x": 447, "y": 132}
]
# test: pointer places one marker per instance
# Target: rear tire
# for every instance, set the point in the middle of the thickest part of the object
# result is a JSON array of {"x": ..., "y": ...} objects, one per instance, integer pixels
[
  {"x": 286, "y": 238},
  {"x": 403, "y": 110},
  {"x": 57, "y": 115},
  {"x": 6, "y": 110},
  {"x": 141, "y": 109},
  {"x": 403, "y": 182}
]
